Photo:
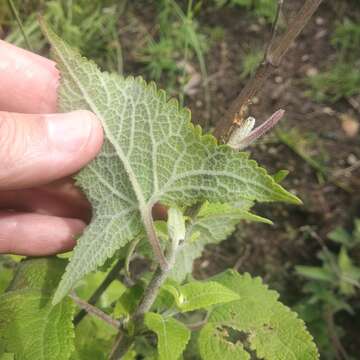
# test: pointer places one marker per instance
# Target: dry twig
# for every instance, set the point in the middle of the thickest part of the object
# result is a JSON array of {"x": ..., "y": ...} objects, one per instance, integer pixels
[{"x": 273, "y": 56}]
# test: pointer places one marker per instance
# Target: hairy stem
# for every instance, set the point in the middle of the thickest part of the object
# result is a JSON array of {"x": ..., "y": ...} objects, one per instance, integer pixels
[
  {"x": 124, "y": 341},
  {"x": 93, "y": 310},
  {"x": 273, "y": 56},
  {"x": 100, "y": 290}
]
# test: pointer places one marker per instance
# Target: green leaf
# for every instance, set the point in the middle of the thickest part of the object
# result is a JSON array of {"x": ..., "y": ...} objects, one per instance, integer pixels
[
  {"x": 30, "y": 326},
  {"x": 212, "y": 224},
  {"x": 280, "y": 175},
  {"x": 202, "y": 295},
  {"x": 152, "y": 153},
  {"x": 33, "y": 329},
  {"x": 213, "y": 345},
  {"x": 90, "y": 283},
  {"x": 93, "y": 339},
  {"x": 41, "y": 274},
  {"x": 316, "y": 273},
  {"x": 340, "y": 236},
  {"x": 128, "y": 301},
  {"x": 172, "y": 335},
  {"x": 271, "y": 329},
  {"x": 350, "y": 274},
  {"x": 7, "y": 356},
  {"x": 5, "y": 277}
]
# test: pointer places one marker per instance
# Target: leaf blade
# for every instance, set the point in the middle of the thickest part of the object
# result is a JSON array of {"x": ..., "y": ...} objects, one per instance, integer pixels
[
  {"x": 203, "y": 294},
  {"x": 152, "y": 153},
  {"x": 30, "y": 327},
  {"x": 172, "y": 335},
  {"x": 272, "y": 330}
]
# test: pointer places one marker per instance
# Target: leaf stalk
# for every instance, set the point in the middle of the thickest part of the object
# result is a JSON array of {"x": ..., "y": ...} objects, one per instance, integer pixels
[
  {"x": 95, "y": 311},
  {"x": 124, "y": 341}
]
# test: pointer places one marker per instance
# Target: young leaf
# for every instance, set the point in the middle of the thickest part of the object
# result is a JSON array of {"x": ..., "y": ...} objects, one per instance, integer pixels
[
  {"x": 213, "y": 223},
  {"x": 30, "y": 326},
  {"x": 201, "y": 295},
  {"x": 152, "y": 153},
  {"x": 213, "y": 345},
  {"x": 176, "y": 225},
  {"x": 280, "y": 175},
  {"x": 172, "y": 335},
  {"x": 271, "y": 329}
]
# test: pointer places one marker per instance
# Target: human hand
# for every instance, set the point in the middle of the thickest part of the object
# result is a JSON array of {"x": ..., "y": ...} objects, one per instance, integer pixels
[{"x": 41, "y": 211}]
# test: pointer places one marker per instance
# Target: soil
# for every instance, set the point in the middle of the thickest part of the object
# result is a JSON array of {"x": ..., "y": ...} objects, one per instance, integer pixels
[{"x": 273, "y": 251}]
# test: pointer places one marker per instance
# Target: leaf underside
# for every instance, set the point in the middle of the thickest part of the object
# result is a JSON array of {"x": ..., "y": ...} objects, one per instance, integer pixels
[{"x": 152, "y": 153}]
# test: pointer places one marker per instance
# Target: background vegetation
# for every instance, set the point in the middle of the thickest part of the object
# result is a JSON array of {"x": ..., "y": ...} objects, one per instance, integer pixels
[{"x": 203, "y": 52}]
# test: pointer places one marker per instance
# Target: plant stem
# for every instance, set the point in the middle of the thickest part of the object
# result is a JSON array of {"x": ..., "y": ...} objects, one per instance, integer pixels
[
  {"x": 95, "y": 311},
  {"x": 121, "y": 346},
  {"x": 124, "y": 341},
  {"x": 274, "y": 27},
  {"x": 18, "y": 20},
  {"x": 100, "y": 290},
  {"x": 273, "y": 56}
]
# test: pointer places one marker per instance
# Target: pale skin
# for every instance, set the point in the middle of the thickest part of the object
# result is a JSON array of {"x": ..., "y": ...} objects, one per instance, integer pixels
[{"x": 41, "y": 211}]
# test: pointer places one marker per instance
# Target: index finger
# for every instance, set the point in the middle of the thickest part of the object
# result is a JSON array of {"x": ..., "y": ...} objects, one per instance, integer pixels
[{"x": 28, "y": 81}]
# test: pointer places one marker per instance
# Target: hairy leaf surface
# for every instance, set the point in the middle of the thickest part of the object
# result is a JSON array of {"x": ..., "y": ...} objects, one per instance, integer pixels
[
  {"x": 172, "y": 335},
  {"x": 30, "y": 326},
  {"x": 213, "y": 345},
  {"x": 152, "y": 153},
  {"x": 271, "y": 329}
]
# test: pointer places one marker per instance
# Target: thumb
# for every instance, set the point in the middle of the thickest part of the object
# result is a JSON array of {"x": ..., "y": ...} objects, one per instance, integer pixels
[{"x": 38, "y": 149}]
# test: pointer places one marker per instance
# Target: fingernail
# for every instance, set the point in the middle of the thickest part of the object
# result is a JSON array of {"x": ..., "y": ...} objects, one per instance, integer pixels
[{"x": 69, "y": 132}]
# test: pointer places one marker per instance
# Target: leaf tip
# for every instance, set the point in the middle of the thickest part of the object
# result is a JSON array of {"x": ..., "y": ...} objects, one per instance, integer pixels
[
  {"x": 60, "y": 292},
  {"x": 293, "y": 199},
  {"x": 56, "y": 298}
]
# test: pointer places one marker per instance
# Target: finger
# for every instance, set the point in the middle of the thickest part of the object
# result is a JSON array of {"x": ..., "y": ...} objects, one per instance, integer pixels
[
  {"x": 38, "y": 149},
  {"x": 37, "y": 235},
  {"x": 42, "y": 201},
  {"x": 29, "y": 81}
]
